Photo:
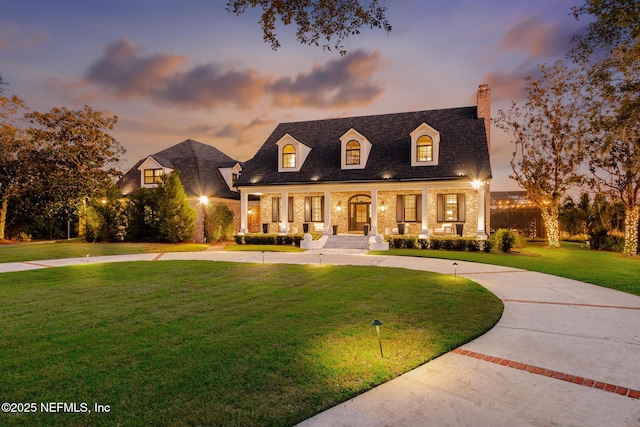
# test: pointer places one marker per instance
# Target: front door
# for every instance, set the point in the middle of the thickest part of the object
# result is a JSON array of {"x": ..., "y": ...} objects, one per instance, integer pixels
[{"x": 359, "y": 212}]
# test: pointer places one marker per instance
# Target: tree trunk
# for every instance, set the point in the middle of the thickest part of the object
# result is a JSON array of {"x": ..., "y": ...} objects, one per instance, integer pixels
[
  {"x": 3, "y": 215},
  {"x": 550, "y": 216},
  {"x": 631, "y": 218}
]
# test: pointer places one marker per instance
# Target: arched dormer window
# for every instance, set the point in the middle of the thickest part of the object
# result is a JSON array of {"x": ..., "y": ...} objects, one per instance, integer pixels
[
  {"x": 424, "y": 145},
  {"x": 353, "y": 152},
  {"x": 288, "y": 156}
]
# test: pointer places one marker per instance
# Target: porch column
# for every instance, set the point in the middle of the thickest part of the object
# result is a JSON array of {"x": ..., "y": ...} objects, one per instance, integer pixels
[
  {"x": 244, "y": 203},
  {"x": 482, "y": 233},
  {"x": 424, "y": 233},
  {"x": 284, "y": 212},
  {"x": 327, "y": 212},
  {"x": 374, "y": 212}
]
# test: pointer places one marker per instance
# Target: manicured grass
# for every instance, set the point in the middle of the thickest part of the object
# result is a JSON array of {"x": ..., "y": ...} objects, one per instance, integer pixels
[
  {"x": 74, "y": 249},
  {"x": 572, "y": 260},
  {"x": 207, "y": 343}
]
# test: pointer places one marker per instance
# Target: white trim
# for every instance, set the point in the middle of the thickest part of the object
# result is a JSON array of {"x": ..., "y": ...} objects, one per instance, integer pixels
[
  {"x": 227, "y": 174},
  {"x": 151, "y": 163},
  {"x": 365, "y": 149},
  {"x": 302, "y": 151},
  {"x": 425, "y": 129}
]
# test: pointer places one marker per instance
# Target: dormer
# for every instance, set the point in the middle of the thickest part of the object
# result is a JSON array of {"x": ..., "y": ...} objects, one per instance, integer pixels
[
  {"x": 152, "y": 172},
  {"x": 354, "y": 150},
  {"x": 425, "y": 146},
  {"x": 291, "y": 154},
  {"x": 230, "y": 175}
]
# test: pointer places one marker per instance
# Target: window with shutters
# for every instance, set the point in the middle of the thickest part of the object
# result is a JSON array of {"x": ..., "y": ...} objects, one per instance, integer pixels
[
  {"x": 276, "y": 209},
  {"x": 451, "y": 207},
  {"x": 314, "y": 209},
  {"x": 408, "y": 208}
]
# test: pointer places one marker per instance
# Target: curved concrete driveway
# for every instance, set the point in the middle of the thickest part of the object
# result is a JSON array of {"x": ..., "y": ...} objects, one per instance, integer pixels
[{"x": 564, "y": 353}]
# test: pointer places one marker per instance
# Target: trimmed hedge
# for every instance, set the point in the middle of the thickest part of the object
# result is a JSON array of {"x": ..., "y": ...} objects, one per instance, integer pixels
[
  {"x": 269, "y": 239},
  {"x": 438, "y": 243}
]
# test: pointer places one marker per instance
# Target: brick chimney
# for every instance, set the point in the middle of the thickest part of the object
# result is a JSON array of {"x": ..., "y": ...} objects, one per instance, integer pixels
[{"x": 484, "y": 109}]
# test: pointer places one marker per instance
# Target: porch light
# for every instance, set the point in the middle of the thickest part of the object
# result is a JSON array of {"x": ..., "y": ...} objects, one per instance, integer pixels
[
  {"x": 204, "y": 200},
  {"x": 383, "y": 207},
  {"x": 476, "y": 184},
  {"x": 339, "y": 207}
]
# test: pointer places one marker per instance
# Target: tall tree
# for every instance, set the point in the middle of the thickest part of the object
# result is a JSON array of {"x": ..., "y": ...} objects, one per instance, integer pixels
[
  {"x": 74, "y": 153},
  {"x": 610, "y": 49},
  {"x": 175, "y": 216},
  {"x": 13, "y": 151},
  {"x": 548, "y": 132},
  {"x": 316, "y": 20}
]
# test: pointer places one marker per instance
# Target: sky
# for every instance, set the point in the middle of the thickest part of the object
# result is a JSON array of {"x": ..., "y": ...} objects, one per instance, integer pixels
[{"x": 188, "y": 69}]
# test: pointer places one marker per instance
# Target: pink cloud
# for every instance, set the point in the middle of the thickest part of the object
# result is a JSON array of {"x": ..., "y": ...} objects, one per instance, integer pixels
[
  {"x": 164, "y": 79},
  {"x": 13, "y": 36},
  {"x": 338, "y": 83}
]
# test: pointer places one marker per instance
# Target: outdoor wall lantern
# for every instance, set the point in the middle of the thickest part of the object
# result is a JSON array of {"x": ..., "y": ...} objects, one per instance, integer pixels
[
  {"x": 339, "y": 207},
  {"x": 383, "y": 207},
  {"x": 476, "y": 184},
  {"x": 377, "y": 324}
]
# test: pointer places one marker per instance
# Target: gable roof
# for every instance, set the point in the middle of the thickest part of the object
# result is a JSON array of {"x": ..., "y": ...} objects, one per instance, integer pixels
[
  {"x": 463, "y": 149},
  {"x": 198, "y": 165}
]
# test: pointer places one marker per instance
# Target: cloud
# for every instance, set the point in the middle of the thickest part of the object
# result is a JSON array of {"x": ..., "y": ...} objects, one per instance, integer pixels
[
  {"x": 123, "y": 71},
  {"x": 507, "y": 86},
  {"x": 211, "y": 85},
  {"x": 166, "y": 79},
  {"x": 537, "y": 39},
  {"x": 338, "y": 83},
  {"x": 13, "y": 36}
]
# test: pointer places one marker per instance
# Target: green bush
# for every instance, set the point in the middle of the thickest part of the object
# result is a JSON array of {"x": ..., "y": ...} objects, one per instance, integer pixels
[
  {"x": 473, "y": 245},
  {"x": 505, "y": 240},
  {"x": 269, "y": 239}
]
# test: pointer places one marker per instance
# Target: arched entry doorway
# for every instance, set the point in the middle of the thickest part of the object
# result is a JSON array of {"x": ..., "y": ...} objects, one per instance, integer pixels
[{"x": 359, "y": 212}]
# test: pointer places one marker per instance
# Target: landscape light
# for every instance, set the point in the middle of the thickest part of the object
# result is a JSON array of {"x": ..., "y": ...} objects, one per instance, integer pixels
[{"x": 377, "y": 324}]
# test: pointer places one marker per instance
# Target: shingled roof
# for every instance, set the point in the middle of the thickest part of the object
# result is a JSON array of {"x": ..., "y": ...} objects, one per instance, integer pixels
[
  {"x": 463, "y": 149},
  {"x": 197, "y": 164}
]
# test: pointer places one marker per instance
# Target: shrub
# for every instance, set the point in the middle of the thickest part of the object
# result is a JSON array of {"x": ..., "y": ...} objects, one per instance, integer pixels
[
  {"x": 218, "y": 222},
  {"x": 459, "y": 244},
  {"x": 447, "y": 244},
  {"x": 435, "y": 244},
  {"x": 423, "y": 243},
  {"x": 473, "y": 245},
  {"x": 487, "y": 245},
  {"x": 505, "y": 240}
]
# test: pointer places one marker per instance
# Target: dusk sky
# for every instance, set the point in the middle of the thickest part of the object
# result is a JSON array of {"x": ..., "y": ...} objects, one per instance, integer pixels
[{"x": 173, "y": 70}]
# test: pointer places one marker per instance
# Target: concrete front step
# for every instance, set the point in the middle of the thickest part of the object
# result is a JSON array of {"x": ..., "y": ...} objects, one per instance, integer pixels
[{"x": 347, "y": 242}]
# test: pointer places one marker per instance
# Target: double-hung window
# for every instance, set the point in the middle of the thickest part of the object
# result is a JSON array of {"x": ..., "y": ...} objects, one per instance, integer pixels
[
  {"x": 314, "y": 209},
  {"x": 408, "y": 208},
  {"x": 451, "y": 207},
  {"x": 153, "y": 176}
]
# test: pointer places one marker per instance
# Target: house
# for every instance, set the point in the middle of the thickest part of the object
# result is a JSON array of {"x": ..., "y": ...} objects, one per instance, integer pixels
[
  {"x": 421, "y": 173},
  {"x": 207, "y": 175}
]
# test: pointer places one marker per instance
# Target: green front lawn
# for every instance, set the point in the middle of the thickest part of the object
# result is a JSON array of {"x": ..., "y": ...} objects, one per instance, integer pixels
[
  {"x": 74, "y": 249},
  {"x": 208, "y": 343},
  {"x": 572, "y": 260}
]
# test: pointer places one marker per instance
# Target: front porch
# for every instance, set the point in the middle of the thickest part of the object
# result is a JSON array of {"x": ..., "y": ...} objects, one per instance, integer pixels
[{"x": 383, "y": 209}]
